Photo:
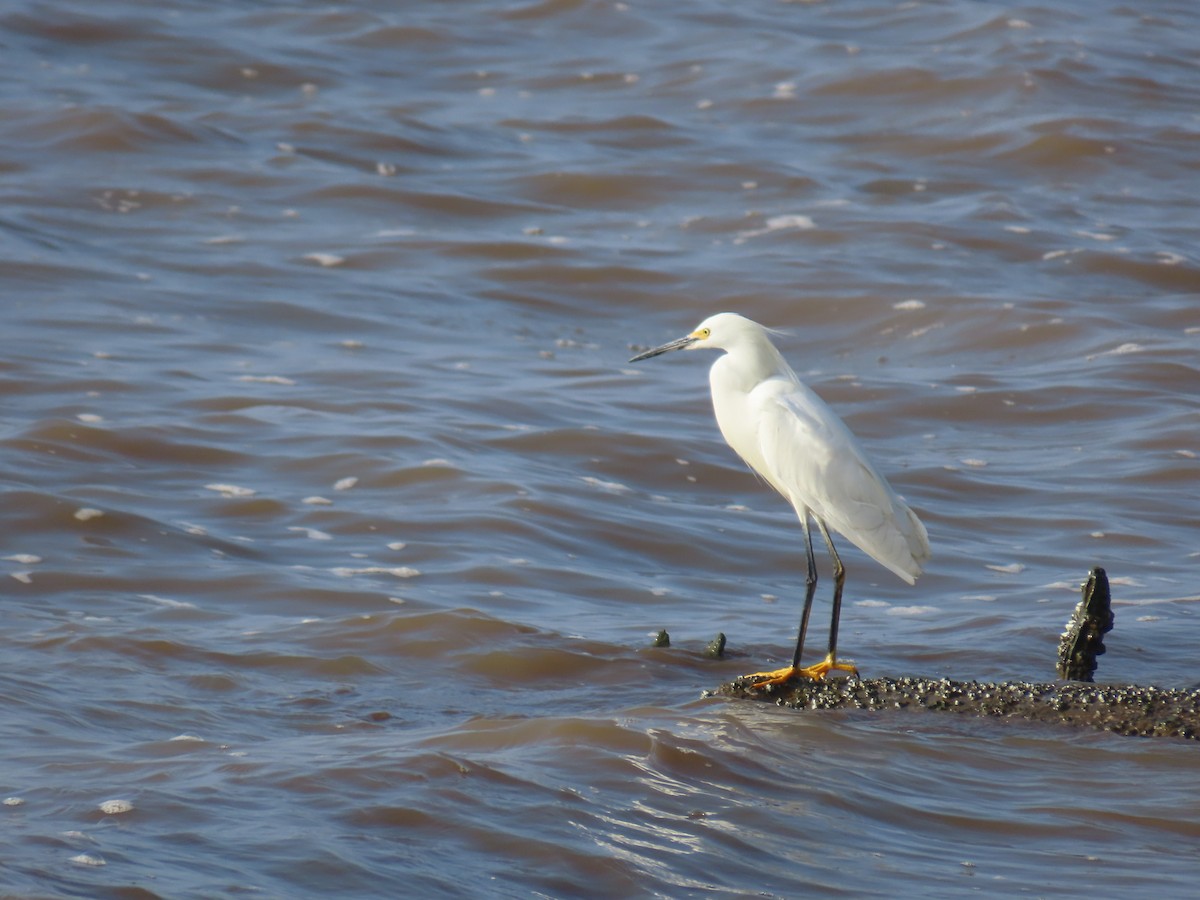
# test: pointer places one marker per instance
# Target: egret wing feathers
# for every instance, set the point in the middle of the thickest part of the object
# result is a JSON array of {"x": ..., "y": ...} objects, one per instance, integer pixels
[{"x": 810, "y": 456}]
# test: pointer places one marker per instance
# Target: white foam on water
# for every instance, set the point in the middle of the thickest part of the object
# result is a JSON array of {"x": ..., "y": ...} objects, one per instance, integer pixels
[
  {"x": 231, "y": 490},
  {"x": 266, "y": 379},
  {"x": 327, "y": 260},
  {"x": 167, "y": 602},
  {"x": 396, "y": 571},
  {"x": 612, "y": 487},
  {"x": 312, "y": 533},
  {"x": 1009, "y": 569}
]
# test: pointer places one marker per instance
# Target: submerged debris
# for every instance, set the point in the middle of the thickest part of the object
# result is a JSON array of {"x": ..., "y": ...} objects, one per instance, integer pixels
[
  {"x": 1123, "y": 709},
  {"x": 1083, "y": 640},
  {"x": 716, "y": 647}
]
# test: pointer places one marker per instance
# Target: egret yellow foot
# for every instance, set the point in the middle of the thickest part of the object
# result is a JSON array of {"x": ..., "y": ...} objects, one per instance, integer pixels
[
  {"x": 783, "y": 676},
  {"x": 825, "y": 666}
]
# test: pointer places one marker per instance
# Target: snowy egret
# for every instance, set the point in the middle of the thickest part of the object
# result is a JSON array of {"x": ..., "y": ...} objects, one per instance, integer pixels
[{"x": 786, "y": 433}]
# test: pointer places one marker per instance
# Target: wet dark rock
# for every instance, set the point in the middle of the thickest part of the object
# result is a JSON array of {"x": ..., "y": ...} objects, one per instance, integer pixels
[{"x": 662, "y": 639}]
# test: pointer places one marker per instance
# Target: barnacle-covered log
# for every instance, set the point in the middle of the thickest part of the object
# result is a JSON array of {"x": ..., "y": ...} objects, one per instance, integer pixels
[{"x": 1124, "y": 709}]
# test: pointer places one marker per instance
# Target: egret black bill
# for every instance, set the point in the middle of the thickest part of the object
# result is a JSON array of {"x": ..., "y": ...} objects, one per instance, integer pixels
[{"x": 677, "y": 344}]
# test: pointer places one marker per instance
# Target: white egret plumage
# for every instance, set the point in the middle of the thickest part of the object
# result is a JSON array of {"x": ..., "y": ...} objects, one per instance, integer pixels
[{"x": 790, "y": 437}]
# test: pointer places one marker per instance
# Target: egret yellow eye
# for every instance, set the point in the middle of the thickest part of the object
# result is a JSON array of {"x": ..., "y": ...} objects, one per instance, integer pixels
[{"x": 701, "y": 333}]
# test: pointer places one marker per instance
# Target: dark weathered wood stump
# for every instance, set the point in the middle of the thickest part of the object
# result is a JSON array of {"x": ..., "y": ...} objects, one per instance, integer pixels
[{"x": 1083, "y": 640}]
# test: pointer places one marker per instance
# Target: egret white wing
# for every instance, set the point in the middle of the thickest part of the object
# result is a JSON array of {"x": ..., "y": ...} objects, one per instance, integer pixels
[{"x": 812, "y": 458}]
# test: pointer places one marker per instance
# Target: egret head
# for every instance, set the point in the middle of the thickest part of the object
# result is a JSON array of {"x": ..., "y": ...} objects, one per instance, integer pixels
[{"x": 719, "y": 332}]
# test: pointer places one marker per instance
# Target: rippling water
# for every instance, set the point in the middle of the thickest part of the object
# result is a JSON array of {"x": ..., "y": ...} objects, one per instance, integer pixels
[{"x": 336, "y": 526}]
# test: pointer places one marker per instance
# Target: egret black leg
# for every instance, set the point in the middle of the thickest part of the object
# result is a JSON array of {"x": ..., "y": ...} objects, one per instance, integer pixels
[
  {"x": 821, "y": 669},
  {"x": 839, "y": 579},
  {"x": 768, "y": 680},
  {"x": 810, "y": 587}
]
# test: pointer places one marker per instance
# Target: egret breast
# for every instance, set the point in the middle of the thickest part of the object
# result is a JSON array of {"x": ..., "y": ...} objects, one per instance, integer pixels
[{"x": 735, "y": 414}]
